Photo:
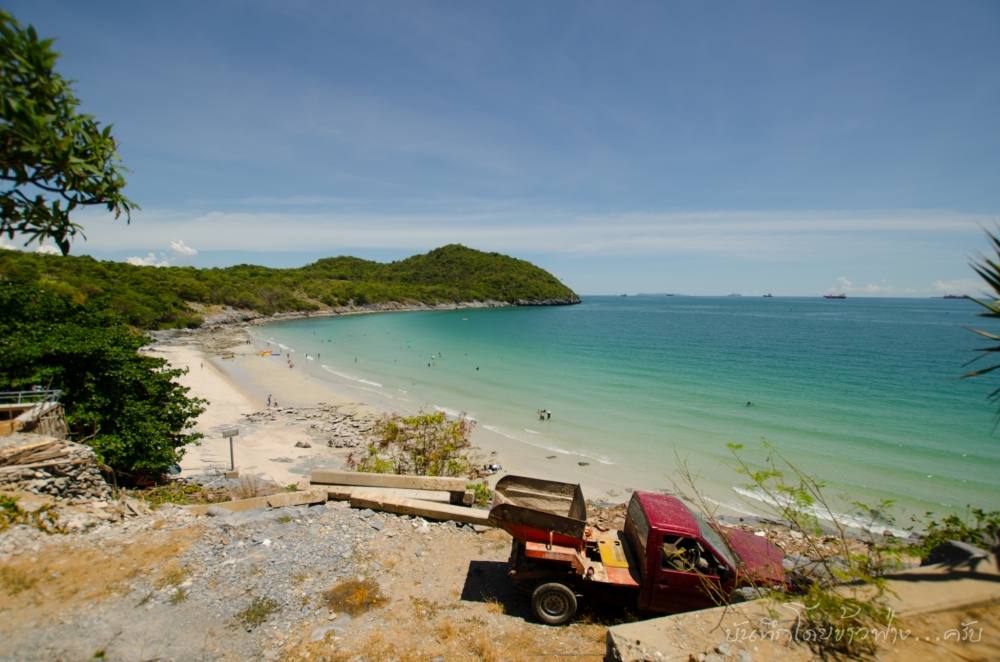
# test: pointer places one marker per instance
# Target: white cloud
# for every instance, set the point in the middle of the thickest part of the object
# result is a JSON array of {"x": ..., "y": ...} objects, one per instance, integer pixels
[
  {"x": 845, "y": 285},
  {"x": 969, "y": 286},
  {"x": 45, "y": 249},
  {"x": 753, "y": 235},
  {"x": 842, "y": 286},
  {"x": 6, "y": 245},
  {"x": 161, "y": 259},
  {"x": 180, "y": 248},
  {"x": 150, "y": 260}
]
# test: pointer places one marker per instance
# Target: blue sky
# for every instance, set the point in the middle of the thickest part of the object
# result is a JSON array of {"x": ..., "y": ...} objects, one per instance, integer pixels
[{"x": 699, "y": 147}]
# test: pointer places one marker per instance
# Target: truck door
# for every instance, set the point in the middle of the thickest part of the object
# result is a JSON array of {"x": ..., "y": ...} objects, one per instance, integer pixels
[{"x": 686, "y": 576}]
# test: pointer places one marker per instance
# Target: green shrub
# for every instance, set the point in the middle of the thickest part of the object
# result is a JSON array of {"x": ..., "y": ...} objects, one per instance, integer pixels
[
  {"x": 481, "y": 493},
  {"x": 422, "y": 445},
  {"x": 978, "y": 527},
  {"x": 127, "y": 406}
]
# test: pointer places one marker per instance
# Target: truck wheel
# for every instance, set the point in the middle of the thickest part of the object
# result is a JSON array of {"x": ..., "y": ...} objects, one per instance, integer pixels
[{"x": 554, "y": 603}]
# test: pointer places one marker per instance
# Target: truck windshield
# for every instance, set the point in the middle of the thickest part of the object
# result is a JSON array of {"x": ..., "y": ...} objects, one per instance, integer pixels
[
  {"x": 638, "y": 525},
  {"x": 713, "y": 538}
]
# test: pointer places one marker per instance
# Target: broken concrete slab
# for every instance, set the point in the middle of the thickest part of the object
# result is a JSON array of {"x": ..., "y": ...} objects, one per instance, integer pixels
[
  {"x": 426, "y": 509},
  {"x": 456, "y": 487},
  {"x": 362, "y": 479},
  {"x": 280, "y": 500},
  {"x": 763, "y": 628}
]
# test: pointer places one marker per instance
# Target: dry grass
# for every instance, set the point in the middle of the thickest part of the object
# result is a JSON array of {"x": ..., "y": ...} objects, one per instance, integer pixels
[
  {"x": 425, "y": 608},
  {"x": 494, "y": 606},
  {"x": 69, "y": 575},
  {"x": 354, "y": 596},
  {"x": 420, "y": 630},
  {"x": 257, "y": 612},
  {"x": 446, "y": 632},
  {"x": 252, "y": 486},
  {"x": 172, "y": 576},
  {"x": 15, "y": 580}
]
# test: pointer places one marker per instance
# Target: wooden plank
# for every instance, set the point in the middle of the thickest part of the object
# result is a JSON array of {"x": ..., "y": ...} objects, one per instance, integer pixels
[
  {"x": 425, "y": 509},
  {"x": 39, "y": 465},
  {"x": 360, "y": 479},
  {"x": 24, "y": 448}
]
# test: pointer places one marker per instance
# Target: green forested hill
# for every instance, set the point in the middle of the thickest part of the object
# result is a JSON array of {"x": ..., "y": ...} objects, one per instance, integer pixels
[{"x": 157, "y": 297}]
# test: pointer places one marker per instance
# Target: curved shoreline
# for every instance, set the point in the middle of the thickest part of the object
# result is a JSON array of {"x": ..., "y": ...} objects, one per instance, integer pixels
[
  {"x": 236, "y": 316},
  {"x": 306, "y": 386}
]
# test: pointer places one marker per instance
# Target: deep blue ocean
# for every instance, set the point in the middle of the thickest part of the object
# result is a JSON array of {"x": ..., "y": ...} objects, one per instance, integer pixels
[{"x": 863, "y": 393}]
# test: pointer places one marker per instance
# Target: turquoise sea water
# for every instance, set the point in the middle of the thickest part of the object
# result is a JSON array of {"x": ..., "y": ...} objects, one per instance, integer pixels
[{"x": 860, "y": 392}]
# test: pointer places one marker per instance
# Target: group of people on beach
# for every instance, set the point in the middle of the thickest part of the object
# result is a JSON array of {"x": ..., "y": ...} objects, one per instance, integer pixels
[{"x": 544, "y": 415}]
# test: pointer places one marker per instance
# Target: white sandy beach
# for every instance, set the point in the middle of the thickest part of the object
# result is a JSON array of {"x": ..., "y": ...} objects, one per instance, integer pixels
[
  {"x": 261, "y": 448},
  {"x": 241, "y": 383}
]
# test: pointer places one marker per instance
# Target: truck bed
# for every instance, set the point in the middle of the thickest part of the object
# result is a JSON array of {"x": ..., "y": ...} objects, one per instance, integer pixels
[{"x": 537, "y": 510}]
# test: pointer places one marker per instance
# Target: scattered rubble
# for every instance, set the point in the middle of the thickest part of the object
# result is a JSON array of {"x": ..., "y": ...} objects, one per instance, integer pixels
[{"x": 327, "y": 424}]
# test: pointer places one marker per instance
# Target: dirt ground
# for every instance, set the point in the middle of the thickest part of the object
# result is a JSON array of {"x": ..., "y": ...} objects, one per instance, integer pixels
[
  {"x": 325, "y": 582},
  {"x": 153, "y": 592},
  {"x": 454, "y": 601}
]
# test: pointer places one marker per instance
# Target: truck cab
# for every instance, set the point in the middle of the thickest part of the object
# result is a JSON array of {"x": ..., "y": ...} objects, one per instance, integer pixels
[
  {"x": 666, "y": 559},
  {"x": 684, "y": 563}
]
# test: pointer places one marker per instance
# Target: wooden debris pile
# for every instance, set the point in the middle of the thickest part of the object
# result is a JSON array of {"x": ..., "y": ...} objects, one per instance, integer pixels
[{"x": 55, "y": 467}]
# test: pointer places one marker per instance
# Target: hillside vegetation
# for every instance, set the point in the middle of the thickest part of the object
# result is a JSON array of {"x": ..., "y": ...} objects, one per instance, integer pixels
[{"x": 158, "y": 297}]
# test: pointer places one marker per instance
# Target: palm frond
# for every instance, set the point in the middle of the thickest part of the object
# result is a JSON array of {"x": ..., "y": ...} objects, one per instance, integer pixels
[{"x": 988, "y": 269}]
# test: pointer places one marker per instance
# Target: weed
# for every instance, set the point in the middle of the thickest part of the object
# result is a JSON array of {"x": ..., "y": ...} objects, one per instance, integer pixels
[
  {"x": 445, "y": 631},
  {"x": 292, "y": 487},
  {"x": 481, "y": 493},
  {"x": 178, "y": 596},
  {"x": 494, "y": 606},
  {"x": 425, "y": 608},
  {"x": 977, "y": 527},
  {"x": 257, "y": 612},
  {"x": 354, "y": 596},
  {"x": 173, "y": 576},
  {"x": 11, "y": 514},
  {"x": 178, "y": 492},
  {"x": 14, "y": 581},
  {"x": 284, "y": 519},
  {"x": 830, "y": 607}
]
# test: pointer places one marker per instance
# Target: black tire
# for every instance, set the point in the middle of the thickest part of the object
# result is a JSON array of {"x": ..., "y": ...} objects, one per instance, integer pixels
[{"x": 554, "y": 603}]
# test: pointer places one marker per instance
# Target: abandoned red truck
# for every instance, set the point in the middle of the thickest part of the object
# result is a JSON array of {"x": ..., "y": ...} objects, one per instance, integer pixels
[{"x": 666, "y": 559}]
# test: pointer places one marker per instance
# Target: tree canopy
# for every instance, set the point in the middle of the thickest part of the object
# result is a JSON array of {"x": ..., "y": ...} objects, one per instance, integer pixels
[
  {"x": 53, "y": 158},
  {"x": 126, "y": 405},
  {"x": 160, "y": 297}
]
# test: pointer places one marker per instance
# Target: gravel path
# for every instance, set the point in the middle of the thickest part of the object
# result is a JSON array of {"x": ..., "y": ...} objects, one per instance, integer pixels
[
  {"x": 251, "y": 585},
  {"x": 192, "y": 606}
]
